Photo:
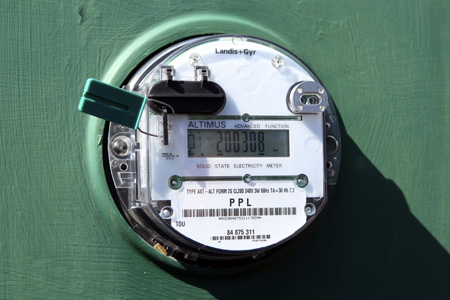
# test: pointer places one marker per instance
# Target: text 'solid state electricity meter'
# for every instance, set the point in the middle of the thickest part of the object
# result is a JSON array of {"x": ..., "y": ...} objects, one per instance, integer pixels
[{"x": 219, "y": 148}]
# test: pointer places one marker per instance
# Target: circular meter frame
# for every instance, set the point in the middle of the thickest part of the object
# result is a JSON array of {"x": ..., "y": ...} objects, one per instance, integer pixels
[{"x": 151, "y": 219}]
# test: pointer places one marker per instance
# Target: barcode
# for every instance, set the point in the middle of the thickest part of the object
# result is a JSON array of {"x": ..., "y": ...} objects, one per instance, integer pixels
[
  {"x": 239, "y": 212},
  {"x": 240, "y": 237}
]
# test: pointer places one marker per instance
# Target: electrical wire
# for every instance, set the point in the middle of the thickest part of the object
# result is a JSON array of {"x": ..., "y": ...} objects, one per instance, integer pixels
[{"x": 164, "y": 104}]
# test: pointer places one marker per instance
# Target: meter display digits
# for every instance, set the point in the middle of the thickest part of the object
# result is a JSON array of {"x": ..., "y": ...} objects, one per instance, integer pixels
[
  {"x": 229, "y": 159},
  {"x": 238, "y": 143}
]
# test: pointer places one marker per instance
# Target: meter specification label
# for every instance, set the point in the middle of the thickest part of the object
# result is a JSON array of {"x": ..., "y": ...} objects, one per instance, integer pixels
[{"x": 237, "y": 215}]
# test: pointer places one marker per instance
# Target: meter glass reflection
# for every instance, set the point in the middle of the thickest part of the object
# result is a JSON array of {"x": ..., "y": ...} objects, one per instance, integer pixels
[{"x": 238, "y": 143}]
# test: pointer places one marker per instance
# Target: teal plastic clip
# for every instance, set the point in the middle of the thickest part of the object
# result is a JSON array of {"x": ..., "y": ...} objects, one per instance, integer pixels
[{"x": 112, "y": 103}]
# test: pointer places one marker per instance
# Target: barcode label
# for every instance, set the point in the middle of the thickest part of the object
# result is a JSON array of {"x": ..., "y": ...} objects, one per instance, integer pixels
[
  {"x": 240, "y": 237},
  {"x": 239, "y": 212}
]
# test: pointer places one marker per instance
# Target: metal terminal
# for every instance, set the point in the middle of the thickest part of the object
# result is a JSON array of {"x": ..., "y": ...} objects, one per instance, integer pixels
[
  {"x": 167, "y": 73},
  {"x": 307, "y": 97},
  {"x": 201, "y": 73}
]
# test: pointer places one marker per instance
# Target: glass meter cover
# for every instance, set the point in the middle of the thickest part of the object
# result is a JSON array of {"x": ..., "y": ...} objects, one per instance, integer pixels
[{"x": 232, "y": 154}]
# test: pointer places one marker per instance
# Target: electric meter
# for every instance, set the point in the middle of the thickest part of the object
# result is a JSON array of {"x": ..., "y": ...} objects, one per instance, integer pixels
[{"x": 220, "y": 148}]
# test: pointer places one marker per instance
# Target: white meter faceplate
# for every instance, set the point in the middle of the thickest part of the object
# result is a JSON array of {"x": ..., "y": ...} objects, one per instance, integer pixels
[{"x": 225, "y": 184}]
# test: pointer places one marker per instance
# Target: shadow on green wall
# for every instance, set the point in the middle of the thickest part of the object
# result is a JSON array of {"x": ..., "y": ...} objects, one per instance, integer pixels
[{"x": 366, "y": 245}]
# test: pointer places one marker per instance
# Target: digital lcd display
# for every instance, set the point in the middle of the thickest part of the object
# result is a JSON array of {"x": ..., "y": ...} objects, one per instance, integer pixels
[{"x": 238, "y": 143}]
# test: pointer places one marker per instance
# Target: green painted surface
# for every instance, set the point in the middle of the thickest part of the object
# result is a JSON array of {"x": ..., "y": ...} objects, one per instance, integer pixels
[{"x": 386, "y": 232}]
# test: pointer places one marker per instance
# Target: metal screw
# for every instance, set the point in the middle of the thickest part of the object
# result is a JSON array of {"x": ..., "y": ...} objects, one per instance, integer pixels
[
  {"x": 322, "y": 108},
  {"x": 300, "y": 107},
  {"x": 277, "y": 62},
  {"x": 302, "y": 180},
  {"x": 310, "y": 209},
  {"x": 175, "y": 182},
  {"x": 299, "y": 90},
  {"x": 195, "y": 59},
  {"x": 120, "y": 147},
  {"x": 247, "y": 178},
  {"x": 166, "y": 212},
  {"x": 321, "y": 90},
  {"x": 245, "y": 117}
]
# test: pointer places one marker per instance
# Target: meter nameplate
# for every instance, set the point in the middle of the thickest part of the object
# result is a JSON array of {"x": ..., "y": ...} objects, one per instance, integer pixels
[{"x": 238, "y": 216}]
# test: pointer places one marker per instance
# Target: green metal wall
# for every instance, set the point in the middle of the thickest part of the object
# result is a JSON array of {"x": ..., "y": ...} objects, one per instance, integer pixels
[{"x": 386, "y": 231}]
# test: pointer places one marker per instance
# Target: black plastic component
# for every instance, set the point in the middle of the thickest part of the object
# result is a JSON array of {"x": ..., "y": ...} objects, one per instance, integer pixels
[
  {"x": 187, "y": 97},
  {"x": 165, "y": 127}
]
